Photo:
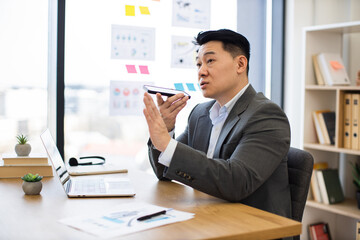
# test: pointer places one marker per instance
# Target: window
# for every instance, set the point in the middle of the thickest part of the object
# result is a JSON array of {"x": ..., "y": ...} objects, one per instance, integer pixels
[{"x": 23, "y": 72}]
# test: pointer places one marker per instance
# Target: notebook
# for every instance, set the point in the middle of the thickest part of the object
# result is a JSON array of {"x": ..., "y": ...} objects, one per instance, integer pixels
[{"x": 84, "y": 186}]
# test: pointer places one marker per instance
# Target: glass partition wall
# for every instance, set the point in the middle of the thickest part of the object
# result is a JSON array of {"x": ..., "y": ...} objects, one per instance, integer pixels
[{"x": 111, "y": 50}]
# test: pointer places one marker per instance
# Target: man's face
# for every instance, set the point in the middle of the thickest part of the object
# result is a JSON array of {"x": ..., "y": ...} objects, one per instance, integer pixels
[{"x": 218, "y": 72}]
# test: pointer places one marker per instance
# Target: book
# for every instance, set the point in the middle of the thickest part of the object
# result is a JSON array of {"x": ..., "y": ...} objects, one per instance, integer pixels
[
  {"x": 13, "y": 159},
  {"x": 318, "y": 76},
  {"x": 320, "y": 126},
  {"x": 347, "y": 121},
  {"x": 315, "y": 189},
  {"x": 357, "y": 233},
  {"x": 330, "y": 187},
  {"x": 16, "y": 171},
  {"x": 329, "y": 120},
  {"x": 323, "y": 126},
  {"x": 332, "y": 69},
  {"x": 355, "y": 98},
  {"x": 319, "y": 231}
]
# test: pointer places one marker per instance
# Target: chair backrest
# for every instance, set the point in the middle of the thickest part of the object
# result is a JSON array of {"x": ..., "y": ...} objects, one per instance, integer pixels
[{"x": 300, "y": 167}]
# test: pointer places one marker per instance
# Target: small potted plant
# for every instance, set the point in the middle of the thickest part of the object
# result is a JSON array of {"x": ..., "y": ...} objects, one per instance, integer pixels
[
  {"x": 32, "y": 184},
  {"x": 356, "y": 180},
  {"x": 22, "y": 148}
]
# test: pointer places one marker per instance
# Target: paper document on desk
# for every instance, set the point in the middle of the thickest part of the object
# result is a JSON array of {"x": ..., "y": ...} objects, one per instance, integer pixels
[
  {"x": 123, "y": 219},
  {"x": 107, "y": 168}
]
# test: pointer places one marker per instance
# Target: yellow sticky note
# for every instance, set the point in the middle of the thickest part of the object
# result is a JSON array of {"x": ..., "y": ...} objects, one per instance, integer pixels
[
  {"x": 144, "y": 10},
  {"x": 129, "y": 10}
]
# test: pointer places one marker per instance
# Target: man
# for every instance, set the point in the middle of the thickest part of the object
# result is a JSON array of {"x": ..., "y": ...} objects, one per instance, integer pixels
[{"x": 235, "y": 146}]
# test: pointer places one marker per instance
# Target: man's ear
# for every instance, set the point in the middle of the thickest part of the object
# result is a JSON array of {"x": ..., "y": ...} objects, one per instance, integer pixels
[{"x": 241, "y": 64}]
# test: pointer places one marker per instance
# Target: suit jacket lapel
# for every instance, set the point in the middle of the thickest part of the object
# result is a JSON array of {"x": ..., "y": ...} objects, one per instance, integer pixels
[
  {"x": 234, "y": 116},
  {"x": 202, "y": 134}
]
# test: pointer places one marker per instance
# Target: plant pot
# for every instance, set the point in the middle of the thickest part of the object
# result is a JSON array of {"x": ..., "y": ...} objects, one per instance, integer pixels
[
  {"x": 23, "y": 149},
  {"x": 358, "y": 198},
  {"x": 32, "y": 188}
]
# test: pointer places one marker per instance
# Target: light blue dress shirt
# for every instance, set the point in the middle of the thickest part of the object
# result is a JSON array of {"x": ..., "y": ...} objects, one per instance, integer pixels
[{"x": 218, "y": 116}]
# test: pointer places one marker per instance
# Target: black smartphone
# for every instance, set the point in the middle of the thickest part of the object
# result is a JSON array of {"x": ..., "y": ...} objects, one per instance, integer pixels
[{"x": 163, "y": 91}]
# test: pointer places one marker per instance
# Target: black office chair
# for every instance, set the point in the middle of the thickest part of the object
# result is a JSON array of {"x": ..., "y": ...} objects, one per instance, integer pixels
[{"x": 300, "y": 167}]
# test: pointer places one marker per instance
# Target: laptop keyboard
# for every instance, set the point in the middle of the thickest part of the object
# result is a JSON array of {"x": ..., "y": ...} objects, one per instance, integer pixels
[{"x": 90, "y": 186}]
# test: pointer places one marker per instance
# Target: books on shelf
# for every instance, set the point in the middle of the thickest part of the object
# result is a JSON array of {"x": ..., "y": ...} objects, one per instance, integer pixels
[
  {"x": 314, "y": 185},
  {"x": 319, "y": 231},
  {"x": 13, "y": 166},
  {"x": 328, "y": 118},
  {"x": 332, "y": 69},
  {"x": 355, "y": 98},
  {"x": 324, "y": 121},
  {"x": 351, "y": 120},
  {"x": 330, "y": 187},
  {"x": 347, "y": 121},
  {"x": 318, "y": 76}
]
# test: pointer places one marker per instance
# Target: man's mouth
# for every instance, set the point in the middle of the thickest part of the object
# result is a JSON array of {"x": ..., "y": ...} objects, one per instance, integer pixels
[{"x": 202, "y": 83}]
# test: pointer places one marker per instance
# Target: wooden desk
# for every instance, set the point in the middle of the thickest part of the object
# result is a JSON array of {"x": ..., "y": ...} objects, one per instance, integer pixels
[{"x": 23, "y": 216}]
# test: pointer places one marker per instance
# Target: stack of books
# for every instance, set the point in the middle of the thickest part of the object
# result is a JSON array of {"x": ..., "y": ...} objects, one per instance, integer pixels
[
  {"x": 319, "y": 231},
  {"x": 325, "y": 184},
  {"x": 351, "y": 115},
  {"x": 324, "y": 121},
  {"x": 13, "y": 166},
  {"x": 329, "y": 69}
]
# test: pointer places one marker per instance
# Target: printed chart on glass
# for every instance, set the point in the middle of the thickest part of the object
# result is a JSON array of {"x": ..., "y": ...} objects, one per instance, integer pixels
[
  {"x": 126, "y": 97},
  {"x": 129, "y": 42},
  {"x": 191, "y": 13},
  {"x": 183, "y": 52}
]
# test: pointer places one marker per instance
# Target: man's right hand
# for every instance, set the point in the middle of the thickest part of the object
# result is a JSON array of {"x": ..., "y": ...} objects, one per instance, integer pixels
[{"x": 170, "y": 108}]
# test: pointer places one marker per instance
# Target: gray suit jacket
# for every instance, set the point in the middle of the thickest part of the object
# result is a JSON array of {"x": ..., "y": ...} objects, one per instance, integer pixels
[{"x": 249, "y": 163}]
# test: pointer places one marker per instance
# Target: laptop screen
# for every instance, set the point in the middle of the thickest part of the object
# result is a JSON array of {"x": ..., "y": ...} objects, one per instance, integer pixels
[{"x": 55, "y": 156}]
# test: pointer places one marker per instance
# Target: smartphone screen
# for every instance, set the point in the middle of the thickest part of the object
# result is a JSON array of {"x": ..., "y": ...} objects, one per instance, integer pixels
[{"x": 163, "y": 91}]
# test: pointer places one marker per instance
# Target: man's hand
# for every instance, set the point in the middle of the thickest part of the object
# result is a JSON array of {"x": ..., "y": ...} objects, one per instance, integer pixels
[
  {"x": 170, "y": 108},
  {"x": 159, "y": 131}
]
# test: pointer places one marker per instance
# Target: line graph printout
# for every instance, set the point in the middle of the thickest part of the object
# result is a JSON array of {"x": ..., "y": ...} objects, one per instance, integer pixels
[{"x": 183, "y": 52}]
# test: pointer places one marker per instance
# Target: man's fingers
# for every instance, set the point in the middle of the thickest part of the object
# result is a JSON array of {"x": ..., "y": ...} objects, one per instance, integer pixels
[
  {"x": 151, "y": 108},
  {"x": 178, "y": 109},
  {"x": 178, "y": 103},
  {"x": 159, "y": 99}
]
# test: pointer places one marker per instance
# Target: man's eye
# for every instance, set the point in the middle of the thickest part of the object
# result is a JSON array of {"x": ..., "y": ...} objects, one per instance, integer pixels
[
  {"x": 210, "y": 60},
  {"x": 198, "y": 65}
]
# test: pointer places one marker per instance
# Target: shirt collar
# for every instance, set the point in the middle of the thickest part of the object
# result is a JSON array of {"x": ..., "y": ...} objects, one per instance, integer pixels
[{"x": 216, "y": 110}]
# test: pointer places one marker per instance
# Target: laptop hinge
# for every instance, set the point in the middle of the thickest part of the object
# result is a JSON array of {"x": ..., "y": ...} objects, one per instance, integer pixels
[{"x": 68, "y": 185}]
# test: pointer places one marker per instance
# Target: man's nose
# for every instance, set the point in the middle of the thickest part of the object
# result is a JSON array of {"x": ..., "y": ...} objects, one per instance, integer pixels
[{"x": 202, "y": 71}]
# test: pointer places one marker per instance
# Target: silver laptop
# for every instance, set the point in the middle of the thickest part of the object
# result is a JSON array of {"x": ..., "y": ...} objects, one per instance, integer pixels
[{"x": 94, "y": 186}]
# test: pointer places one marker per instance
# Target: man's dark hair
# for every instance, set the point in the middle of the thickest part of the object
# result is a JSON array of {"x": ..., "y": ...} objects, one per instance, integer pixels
[{"x": 233, "y": 42}]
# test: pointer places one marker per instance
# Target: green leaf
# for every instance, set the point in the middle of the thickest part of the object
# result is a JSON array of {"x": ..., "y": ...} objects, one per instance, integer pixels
[{"x": 21, "y": 139}]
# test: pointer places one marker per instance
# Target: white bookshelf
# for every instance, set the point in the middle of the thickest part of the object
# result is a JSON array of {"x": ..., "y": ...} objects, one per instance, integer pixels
[{"x": 316, "y": 39}]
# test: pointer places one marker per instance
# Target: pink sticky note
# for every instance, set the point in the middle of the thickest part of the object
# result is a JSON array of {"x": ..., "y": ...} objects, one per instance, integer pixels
[
  {"x": 131, "y": 68},
  {"x": 144, "y": 69}
]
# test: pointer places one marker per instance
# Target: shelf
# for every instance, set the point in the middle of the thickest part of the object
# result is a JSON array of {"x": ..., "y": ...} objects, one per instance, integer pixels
[
  {"x": 347, "y": 208},
  {"x": 330, "y": 148},
  {"x": 333, "y": 88},
  {"x": 347, "y": 27}
]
